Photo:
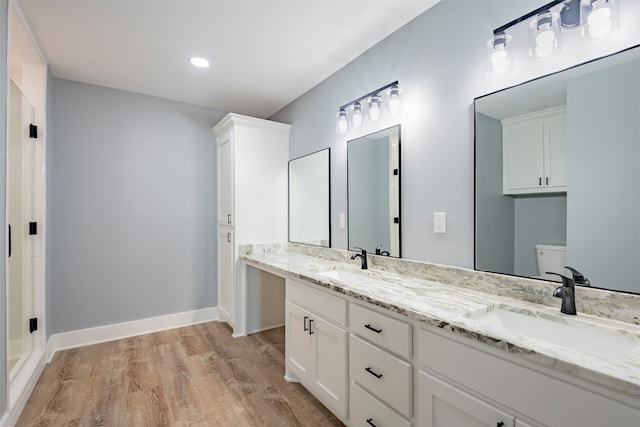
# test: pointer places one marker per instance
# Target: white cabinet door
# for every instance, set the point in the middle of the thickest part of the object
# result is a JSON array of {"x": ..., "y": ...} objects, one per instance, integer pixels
[
  {"x": 535, "y": 153},
  {"x": 555, "y": 165},
  {"x": 443, "y": 405},
  {"x": 225, "y": 274},
  {"x": 298, "y": 341},
  {"x": 330, "y": 363},
  {"x": 523, "y": 157},
  {"x": 225, "y": 178}
]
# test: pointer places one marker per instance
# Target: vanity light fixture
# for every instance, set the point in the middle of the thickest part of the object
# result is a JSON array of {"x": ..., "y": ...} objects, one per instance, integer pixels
[
  {"x": 596, "y": 18},
  {"x": 371, "y": 106}
]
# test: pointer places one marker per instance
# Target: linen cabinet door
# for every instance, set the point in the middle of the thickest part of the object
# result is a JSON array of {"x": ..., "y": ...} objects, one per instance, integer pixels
[
  {"x": 225, "y": 179},
  {"x": 225, "y": 274}
]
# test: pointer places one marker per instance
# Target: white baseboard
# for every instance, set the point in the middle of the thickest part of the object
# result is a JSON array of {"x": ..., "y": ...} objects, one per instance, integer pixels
[{"x": 83, "y": 337}]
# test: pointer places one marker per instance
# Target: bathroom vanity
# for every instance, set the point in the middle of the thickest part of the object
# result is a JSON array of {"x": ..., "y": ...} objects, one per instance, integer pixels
[{"x": 409, "y": 343}]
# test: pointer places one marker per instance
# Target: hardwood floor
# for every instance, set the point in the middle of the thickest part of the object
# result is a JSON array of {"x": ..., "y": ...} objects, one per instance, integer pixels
[{"x": 194, "y": 376}]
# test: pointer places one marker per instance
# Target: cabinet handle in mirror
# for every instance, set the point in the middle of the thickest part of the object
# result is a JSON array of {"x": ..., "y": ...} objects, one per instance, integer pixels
[
  {"x": 371, "y": 328},
  {"x": 305, "y": 323},
  {"x": 547, "y": 180},
  {"x": 500, "y": 424},
  {"x": 368, "y": 369},
  {"x": 228, "y": 237},
  {"x": 310, "y": 326},
  {"x": 540, "y": 181},
  {"x": 228, "y": 218},
  {"x": 370, "y": 422}
]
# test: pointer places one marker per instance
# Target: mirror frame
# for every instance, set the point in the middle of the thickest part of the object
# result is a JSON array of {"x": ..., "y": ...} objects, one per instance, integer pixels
[
  {"x": 399, "y": 189},
  {"x": 475, "y": 155}
]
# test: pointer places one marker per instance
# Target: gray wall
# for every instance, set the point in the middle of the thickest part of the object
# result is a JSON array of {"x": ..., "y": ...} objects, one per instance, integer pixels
[
  {"x": 48, "y": 268},
  {"x": 537, "y": 220},
  {"x": 604, "y": 151},
  {"x": 3, "y": 177},
  {"x": 495, "y": 237},
  {"x": 133, "y": 207},
  {"x": 439, "y": 60}
]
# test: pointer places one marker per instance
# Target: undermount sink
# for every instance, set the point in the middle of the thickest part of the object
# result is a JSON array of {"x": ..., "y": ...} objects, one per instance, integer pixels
[
  {"x": 600, "y": 341},
  {"x": 344, "y": 275}
]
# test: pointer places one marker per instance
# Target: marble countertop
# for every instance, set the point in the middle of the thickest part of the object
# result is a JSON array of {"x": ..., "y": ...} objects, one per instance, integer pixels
[{"x": 457, "y": 309}]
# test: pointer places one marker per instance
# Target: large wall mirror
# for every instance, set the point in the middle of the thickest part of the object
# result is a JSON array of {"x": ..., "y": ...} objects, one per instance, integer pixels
[
  {"x": 373, "y": 186},
  {"x": 309, "y": 207},
  {"x": 557, "y": 174}
]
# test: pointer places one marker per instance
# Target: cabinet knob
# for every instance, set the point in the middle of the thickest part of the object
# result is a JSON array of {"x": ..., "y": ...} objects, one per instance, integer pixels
[{"x": 370, "y": 422}]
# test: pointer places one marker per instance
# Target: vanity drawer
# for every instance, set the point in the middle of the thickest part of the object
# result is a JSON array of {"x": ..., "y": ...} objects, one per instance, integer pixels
[
  {"x": 384, "y": 331},
  {"x": 329, "y": 306},
  {"x": 384, "y": 375},
  {"x": 365, "y": 410}
]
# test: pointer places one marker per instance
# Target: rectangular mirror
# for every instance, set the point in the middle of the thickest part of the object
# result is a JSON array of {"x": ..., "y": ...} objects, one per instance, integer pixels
[
  {"x": 556, "y": 175},
  {"x": 373, "y": 186},
  {"x": 309, "y": 207}
]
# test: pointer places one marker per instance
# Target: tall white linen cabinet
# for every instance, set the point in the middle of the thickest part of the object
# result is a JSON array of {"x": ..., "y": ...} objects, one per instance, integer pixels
[{"x": 252, "y": 157}]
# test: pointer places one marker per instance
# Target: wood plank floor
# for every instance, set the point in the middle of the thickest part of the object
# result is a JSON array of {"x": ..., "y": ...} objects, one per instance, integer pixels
[{"x": 194, "y": 376}]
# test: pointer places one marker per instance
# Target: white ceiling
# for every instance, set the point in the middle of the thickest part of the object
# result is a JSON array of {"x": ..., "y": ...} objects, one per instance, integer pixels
[{"x": 264, "y": 53}]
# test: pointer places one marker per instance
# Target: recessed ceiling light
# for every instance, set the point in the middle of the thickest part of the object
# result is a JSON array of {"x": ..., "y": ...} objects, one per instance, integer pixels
[{"x": 199, "y": 62}]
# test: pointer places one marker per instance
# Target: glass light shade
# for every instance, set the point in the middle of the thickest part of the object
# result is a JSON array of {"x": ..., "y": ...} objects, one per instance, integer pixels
[
  {"x": 341, "y": 122},
  {"x": 499, "y": 56},
  {"x": 600, "y": 18},
  {"x": 394, "y": 100},
  {"x": 544, "y": 33},
  {"x": 356, "y": 118},
  {"x": 374, "y": 108}
]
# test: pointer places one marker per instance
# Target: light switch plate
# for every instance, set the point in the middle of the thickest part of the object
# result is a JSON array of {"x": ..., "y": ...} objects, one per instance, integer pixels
[{"x": 439, "y": 222}]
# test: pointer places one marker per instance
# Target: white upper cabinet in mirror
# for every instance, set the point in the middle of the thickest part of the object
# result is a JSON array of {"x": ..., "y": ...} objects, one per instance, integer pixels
[
  {"x": 309, "y": 199},
  {"x": 591, "y": 218},
  {"x": 373, "y": 184}
]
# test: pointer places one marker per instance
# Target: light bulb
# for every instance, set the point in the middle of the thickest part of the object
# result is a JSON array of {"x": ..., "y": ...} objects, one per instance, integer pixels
[
  {"x": 500, "y": 61},
  {"x": 599, "y": 21},
  {"x": 357, "y": 115},
  {"x": 199, "y": 62},
  {"x": 374, "y": 108},
  {"x": 342, "y": 125},
  {"x": 394, "y": 100}
]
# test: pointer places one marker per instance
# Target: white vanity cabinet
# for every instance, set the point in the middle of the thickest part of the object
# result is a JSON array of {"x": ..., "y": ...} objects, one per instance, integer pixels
[
  {"x": 316, "y": 343},
  {"x": 535, "y": 152},
  {"x": 252, "y": 158},
  {"x": 464, "y": 383},
  {"x": 380, "y": 368}
]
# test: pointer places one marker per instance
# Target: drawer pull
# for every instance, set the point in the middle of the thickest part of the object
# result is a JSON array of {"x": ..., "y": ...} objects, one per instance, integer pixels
[
  {"x": 378, "y": 376},
  {"x": 310, "y": 326},
  {"x": 371, "y": 328},
  {"x": 228, "y": 218},
  {"x": 500, "y": 424},
  {"x": 305, "y": 323},
  {"x": 370, "y": 422}
]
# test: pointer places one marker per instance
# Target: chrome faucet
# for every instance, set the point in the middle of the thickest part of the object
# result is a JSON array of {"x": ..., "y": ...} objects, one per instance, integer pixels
[
  {"x": 567, "y": 293},
  {"x": 363, "y": 258}
]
